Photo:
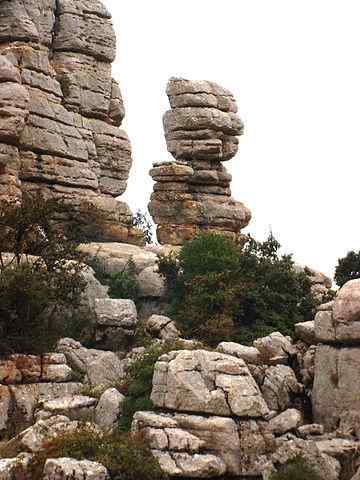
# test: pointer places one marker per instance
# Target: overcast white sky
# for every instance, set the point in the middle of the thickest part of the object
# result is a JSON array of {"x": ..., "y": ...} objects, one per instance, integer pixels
[{"x": 294, "y": 68}]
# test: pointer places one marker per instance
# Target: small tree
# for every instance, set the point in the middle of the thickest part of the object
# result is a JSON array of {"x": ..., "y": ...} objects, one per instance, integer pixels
[
  {"x": 142, "y": 221},
  {"x": 220, "y": 290},
  {"x": 40, "y": 276},
  {"x": 348, "y": 268}
]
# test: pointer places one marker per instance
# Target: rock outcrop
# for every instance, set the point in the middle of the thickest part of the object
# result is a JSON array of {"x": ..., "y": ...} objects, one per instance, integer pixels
[
  {"x": 337, "y": 360},
  {"x": 60, "y": 109},
  {"x": 192, "y": 194}
]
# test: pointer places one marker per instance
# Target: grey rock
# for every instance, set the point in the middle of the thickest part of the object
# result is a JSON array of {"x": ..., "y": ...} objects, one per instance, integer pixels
[
  {"x": 109, "y": 409},
  {"x": 74, "y": 469},
  {"x": 206, "y": 382},
  {"x": 287, "y": 421}
]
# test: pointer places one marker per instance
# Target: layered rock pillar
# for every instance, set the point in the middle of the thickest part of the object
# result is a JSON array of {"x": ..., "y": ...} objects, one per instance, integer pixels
[
  {"x": 60, "y": 109},
  {"x": 192, "y": 193}
]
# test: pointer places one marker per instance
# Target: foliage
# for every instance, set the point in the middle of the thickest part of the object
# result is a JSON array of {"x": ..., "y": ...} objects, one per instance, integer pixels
[
  {"x": 123, "y": 284},
  {"x": 33, "y": 290},
  {"x": 85, "y": 224},
  {"x": 348, "y": 268},
  {"x": 126, "y": 456},
  {"x": 296, "y": 469},
  {"x": 219, "y": 290},
  {"x": 142, "y": 222},
  {"x": 138, "y": 383}
]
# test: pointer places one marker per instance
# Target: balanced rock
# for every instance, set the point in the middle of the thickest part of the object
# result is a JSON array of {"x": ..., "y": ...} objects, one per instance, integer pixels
[
  {"x": 192, "y": 194},
  {"x": 60, "y": 109}
]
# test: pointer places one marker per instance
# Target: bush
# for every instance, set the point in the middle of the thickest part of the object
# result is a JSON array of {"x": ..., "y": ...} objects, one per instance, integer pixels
[
  {"x": 127, "y": 457},
  {"x": 34, "y": 290},
  {"x": 348, "y": 268},
  {"x": 219, "y": 290},
  {"x": 138, "y": 383},
  {"x": 123, "y": 284},
  {"x": 142, "y": 222},
  {"x": 296, "y": 469}
]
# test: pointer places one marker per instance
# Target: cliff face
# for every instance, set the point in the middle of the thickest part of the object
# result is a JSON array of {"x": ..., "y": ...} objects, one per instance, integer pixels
[
  {"x": 192, "y": 194},
  {"x": 60, "y": 109}
]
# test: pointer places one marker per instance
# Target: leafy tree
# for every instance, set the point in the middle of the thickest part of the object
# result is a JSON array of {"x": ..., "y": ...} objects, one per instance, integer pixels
[
  {"x": 41, "y": 277},
  {"x": 348, "y": 268},
  {"x": 221, "y": 290}
]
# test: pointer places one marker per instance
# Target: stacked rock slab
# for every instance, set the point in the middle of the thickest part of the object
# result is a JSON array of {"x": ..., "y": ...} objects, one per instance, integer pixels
[
  {"x": 336, "y": 388},
  {"x": 60, "y": 109},
  {"x": 192, "y": 194}
]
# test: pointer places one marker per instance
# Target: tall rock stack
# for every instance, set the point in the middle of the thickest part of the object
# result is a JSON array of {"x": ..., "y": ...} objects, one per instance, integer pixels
[
  {"x": 192, "y": 193},
  {"x": 60, "y": 109}
]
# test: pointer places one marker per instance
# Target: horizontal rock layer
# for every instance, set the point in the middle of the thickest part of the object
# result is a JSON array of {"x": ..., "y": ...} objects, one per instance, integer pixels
[
  {"x": 192, "y": 194},
  {"x": 60, "y": 109}
]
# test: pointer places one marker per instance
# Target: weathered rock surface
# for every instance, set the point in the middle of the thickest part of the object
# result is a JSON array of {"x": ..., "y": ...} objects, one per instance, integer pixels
[
  {"x": 114, "y": 319},
  {"x": 336, "y": 384},
  {"x": 339, "y": 321},
  {"x": 206, "y": 382},
  {"x": 62, "y": 468},
  {"x": 192, "y": 193},
  {"x": 337, "y": 363},
  {"x": 109, "y": 409},
  {"x": 113, "y": 258},
  {"x": 60, "y": 109},
  {"x": 162, "y": 327},
  {"x": 98, "y": 367}
]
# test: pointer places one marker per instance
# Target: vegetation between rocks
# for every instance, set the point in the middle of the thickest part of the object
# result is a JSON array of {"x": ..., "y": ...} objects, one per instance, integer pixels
[
  {"x": 41, "y": 282},
  {"x": 296, "y": 469},
  {"x": 126, "y": 456},
  {"x": 219, "y": 290}
]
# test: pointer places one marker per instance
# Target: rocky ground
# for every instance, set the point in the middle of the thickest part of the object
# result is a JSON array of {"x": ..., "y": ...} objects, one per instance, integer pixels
[{"x": 232, "y": 411}]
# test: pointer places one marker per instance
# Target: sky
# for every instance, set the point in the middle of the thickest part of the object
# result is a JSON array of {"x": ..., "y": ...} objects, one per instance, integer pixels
[{"x": 294, "y": 69}]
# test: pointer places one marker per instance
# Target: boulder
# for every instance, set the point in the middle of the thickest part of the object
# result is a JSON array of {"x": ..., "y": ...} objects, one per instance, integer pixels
[
  {"x": 75, "y": 469},
  {"x": 279, "y": 386},
  {"x": 275, "y": 348},
  {"x": 248, "y": 354},
  {"x": 287, "y": 421},
  {"x": 305, "y": 331},
  {"x": 162, "y": 327},
  {"x": 98, "y": 367},
  {"x": 336, "y": 384},
  {"x": 109, "y": 409},
  {"x": 75, "y": 407},
  {"x": 206, "y": 382}
]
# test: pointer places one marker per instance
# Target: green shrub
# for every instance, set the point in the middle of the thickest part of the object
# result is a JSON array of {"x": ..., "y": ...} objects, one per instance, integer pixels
[
  {"x": 138, "y": 383},
  {"x": 220, "y": 290},
  {"x": 142, "y": 222},
  {"x": 296, "y": 469},
  {"x": 348, "y": 268},
  {"x": 37, "y": 293},
  {"x": 123, "y": 284},
  {"x": 127, "y": 457}
]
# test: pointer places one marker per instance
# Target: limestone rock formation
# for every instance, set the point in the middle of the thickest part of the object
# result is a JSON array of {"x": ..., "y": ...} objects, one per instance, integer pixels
[
  {"x": 192, "y": 193},
  {"x": 206, "y": 382},
  {"x": 60, "y": 109},
  {"x": 337, "y": 360}
]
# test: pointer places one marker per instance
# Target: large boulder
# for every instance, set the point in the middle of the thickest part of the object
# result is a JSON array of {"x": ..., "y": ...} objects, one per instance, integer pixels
[
  {"x": 99, "y": 368},
  {"x": 336, "y": 384},
  {"x": 206, "y": 382}
]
